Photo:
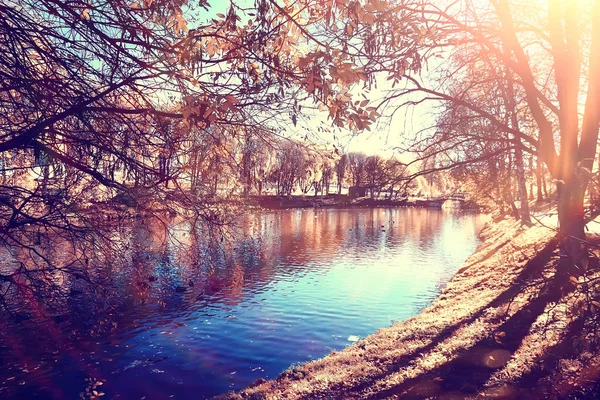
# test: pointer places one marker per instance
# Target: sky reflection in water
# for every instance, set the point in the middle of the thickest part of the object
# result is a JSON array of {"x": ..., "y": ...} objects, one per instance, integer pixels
[{"x": 287, "y": 287}]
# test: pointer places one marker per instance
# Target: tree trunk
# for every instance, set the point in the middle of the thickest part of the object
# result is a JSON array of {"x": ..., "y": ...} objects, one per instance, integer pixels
[
  {"x": 571, "y": 222},
  {"x": 45, "y": 179},
  {"x": 531, "y": 195},
  {"x": 509, "y": 101},
  {"x": 499, "y": 188},
  {"x": 522, "y": 185},
  {"x": 511, "y": 203},
  {"x": 508, "y": 191},
  {"x": 538, "y": 177}
]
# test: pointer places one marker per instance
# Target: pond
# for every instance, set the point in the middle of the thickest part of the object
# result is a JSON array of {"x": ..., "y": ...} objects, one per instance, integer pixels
[{"x": 198, "y": 318}]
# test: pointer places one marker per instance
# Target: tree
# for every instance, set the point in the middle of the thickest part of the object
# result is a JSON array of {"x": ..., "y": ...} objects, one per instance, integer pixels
[
  {"x": 558, "y": 75},
  {"x": 464, "y": 137},
  {"x": 395, "y": 172},
  {"x": 254, "y": 145},
  {"x": 340, "y": 171},
  {"x": 375, "y": 174},
  {"x": 326, "y": 173},
  {"x": 356, "y": 167},
  {"x": 290, "y": 168}
]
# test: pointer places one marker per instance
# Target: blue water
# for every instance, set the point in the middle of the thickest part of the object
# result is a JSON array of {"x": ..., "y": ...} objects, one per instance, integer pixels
[{"x": 281, "y": 288}]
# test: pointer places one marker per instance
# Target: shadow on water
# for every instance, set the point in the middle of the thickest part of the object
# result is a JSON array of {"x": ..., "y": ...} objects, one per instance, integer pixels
[{"x": 172, "y": 310}]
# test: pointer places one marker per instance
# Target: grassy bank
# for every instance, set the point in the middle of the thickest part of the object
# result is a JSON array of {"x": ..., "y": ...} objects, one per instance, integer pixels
[{"x": 501, "y": 328}]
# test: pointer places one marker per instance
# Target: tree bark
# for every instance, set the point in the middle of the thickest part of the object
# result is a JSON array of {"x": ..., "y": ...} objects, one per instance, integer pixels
[
  {"x": 538, "y": 177},
  {"x": 508, "y": 198},
  {"x": 544, "y": 185},
  {"x": 522, "y": 185},
  {"x": 571, "y": 226},
  {"x": 508, "y": 191}
]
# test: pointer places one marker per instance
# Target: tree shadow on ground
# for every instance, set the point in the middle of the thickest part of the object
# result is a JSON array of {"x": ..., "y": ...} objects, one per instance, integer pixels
[
  {"x": 529, "y": 383},
  {"x": 471, "y": 369},
  {"x": 470, "y": 366}
]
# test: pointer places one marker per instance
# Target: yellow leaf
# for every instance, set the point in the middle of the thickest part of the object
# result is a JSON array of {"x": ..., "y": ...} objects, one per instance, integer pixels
[
  {"x": 585, "y": 262},
  {"x": 231, "y": 99},
  {"x": 186, "y": 112},
  {"x": 181, "y": 23}
]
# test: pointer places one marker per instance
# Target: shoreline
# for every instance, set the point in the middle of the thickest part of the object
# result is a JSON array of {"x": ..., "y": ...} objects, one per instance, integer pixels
[
  {"x": 344, "y": 201},
  {"x": 498, "y": 329},
  {"x": 272, "y": 202}
]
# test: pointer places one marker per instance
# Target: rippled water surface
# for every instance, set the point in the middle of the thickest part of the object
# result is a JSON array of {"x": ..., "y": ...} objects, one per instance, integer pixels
[{"x": 197, "y": 319}]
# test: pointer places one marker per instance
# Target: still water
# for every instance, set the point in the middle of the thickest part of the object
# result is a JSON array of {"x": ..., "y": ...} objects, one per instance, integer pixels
[{"x": 198, "y": 318}]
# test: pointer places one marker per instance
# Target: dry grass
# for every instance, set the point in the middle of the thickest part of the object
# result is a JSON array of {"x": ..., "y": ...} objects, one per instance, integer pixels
[{"x": 500, "y": 329}]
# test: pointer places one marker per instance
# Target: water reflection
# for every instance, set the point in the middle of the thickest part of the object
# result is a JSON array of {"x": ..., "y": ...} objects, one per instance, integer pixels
[{"x": 189, "y": 311}]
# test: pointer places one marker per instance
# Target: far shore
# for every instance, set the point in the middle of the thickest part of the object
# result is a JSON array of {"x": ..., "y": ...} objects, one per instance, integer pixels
[
  {"x": 136, "y": 201},
  {"x": 345, "y": 201}
]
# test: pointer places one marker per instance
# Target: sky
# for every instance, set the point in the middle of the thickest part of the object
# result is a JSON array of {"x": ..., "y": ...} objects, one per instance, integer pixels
[{"x": 386, "y": 136}]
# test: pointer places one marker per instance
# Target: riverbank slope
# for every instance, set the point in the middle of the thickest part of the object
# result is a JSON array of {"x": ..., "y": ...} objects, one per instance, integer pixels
[{"x": 500, "y": 329}]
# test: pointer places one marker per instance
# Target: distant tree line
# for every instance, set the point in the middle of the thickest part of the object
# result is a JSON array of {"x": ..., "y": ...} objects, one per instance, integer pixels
[{"x": 255, "y": 162}]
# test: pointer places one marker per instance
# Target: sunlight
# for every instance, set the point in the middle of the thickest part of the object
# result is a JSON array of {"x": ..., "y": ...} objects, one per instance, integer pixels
[{"x": 299, "y": 199}]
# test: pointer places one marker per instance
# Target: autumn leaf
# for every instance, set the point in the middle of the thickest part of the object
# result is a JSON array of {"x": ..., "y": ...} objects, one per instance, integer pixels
[
  {"x": 585, "y": 263},
  {"x": 231, "y": 99},
  {"x": 187, "y": 112},
  {"x": 574, "y": 280}
]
